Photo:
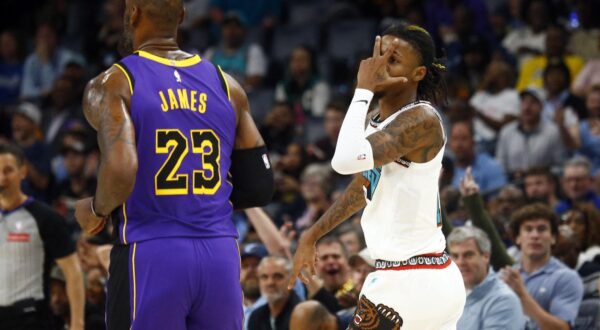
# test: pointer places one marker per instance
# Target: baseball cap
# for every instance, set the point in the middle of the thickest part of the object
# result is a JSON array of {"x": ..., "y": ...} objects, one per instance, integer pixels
[
  {"x": 234, "y": 17},
  {"x": 254, "y": 250},
  {"x": 536, "y": 92},
  {"x": 364, "y": 255},
  {"x": 30, "y": 111}
]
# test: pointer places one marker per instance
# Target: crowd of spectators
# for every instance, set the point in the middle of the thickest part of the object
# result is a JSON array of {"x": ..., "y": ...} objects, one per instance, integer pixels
[{"x": 522, "y": 162}]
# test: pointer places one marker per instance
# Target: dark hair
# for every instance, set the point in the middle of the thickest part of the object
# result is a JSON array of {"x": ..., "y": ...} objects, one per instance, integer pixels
[
  {"x": 532, "y": 212},
  {"x": 12, "y": 149},
  {"x": 540, "y": 171},
  {"x": 466, "y": 122},
  {"x": 337, "y": 106},
  {"x": 591, "y": 216},
  {"x": 558, "y": 66},
  {"x": 332, "y": 239},
  {"x": 433, "y": 86}
]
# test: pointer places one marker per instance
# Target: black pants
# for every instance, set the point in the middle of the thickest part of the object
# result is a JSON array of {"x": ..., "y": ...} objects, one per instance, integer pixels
[{"x": 25, "y": 315}]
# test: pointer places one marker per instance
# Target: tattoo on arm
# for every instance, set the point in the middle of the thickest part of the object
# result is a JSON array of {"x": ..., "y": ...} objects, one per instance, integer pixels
[
  {"x": 415, "y": 130},
  {"x": 351, "y": 201}
]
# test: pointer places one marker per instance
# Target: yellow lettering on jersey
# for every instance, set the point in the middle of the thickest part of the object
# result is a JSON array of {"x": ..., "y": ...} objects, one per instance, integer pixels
[
  {"x": 193, "y": 100},
  {"x": 173, "y": 99},
  {"x": 202, "y": 107},
  {"x": 164, "y": 106},
  {"x": 183, "y": 98}
]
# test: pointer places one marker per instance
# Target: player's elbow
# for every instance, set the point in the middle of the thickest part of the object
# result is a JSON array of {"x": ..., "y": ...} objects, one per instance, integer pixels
[
  {"x": 252, "y": 178},
  {"x": 342, "y": 165}
]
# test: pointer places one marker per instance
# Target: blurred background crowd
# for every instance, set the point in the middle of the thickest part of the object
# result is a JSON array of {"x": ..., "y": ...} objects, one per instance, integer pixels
[{"x": 522, "y": 115}]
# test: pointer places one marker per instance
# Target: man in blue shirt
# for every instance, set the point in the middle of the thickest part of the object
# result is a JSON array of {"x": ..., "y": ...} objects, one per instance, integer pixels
[
  {"x": 487, "y": 172},
  {"x": 491, "y": 304},
  {"x": 549, "y": 291},
  {"x": 577, "y": 184}
]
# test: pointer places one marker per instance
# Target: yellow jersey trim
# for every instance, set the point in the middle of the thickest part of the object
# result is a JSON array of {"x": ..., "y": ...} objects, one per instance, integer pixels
[
  {"x": 134, "y": 279},
  {"x": 126, "y": 75},
  {"x": 124, "y": 223},
  {"x": 226, "y": 83},
  {"x": 177, "y": 63}
]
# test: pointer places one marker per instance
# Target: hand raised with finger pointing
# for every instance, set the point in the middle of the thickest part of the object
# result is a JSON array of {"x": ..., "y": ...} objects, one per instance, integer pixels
[{"x": 373, "y": 72}]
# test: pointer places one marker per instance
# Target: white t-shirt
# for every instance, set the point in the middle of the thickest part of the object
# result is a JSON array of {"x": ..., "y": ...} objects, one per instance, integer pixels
[
  {"x": 524, "y": 37},
  {"x": 495, "y": 106}
]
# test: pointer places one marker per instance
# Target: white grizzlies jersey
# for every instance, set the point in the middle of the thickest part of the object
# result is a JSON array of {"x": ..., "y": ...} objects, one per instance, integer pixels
[{"x": 402, "y": 218}]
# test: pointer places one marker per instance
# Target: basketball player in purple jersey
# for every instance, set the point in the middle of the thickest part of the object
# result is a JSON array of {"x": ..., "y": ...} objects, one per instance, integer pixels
[{"x": 171, "y": 128}]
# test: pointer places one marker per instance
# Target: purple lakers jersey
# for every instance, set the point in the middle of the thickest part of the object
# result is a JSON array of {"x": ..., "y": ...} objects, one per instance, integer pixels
[{"x": 185, "y": 130}]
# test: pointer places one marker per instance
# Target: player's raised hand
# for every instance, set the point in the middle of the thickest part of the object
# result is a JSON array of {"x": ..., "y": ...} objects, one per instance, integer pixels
[
  {"x": 373, "y": 72},
  {"x": 305, "y": 257},
  {"x": 468, "y": 186}
]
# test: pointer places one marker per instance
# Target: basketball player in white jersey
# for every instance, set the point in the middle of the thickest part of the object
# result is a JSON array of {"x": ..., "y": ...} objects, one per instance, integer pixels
[{"x": 397, "y": 159}]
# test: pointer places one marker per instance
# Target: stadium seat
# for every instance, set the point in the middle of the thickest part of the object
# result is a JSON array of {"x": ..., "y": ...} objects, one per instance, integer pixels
[
  {"x": 286, "y": 38},
  {"x": 587, "y": 318}
]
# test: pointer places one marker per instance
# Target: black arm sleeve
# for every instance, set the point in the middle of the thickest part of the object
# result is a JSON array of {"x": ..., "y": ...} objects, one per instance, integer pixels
[{"x": 252, "y": 178}]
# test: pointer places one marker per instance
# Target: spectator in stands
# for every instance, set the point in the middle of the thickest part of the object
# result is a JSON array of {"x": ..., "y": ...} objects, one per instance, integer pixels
[
  {"x": 251, "y": 256},
  {"x": 260, "y": 14},
  {"x": 26, "y": 134},
  {"x": 588, "y": 77},
  {"x": 33, "y": 236},
  {"x": 95, "y": 299},
  {"x": 540, "y": 186},
  {"x": 530, "y": 141},
  {"x": 491, "y": 304},
  {"x": 315, "y": 188},
  {"x": 333, "y": 268},
  {"x": 303, "y": 88},
  {"x": 11, "y": 67},
  {"x": 323, "y": 148},
  {"x": 312, "y": 315},
  {"x": 561, "y": 106},
  {"x": 278, "y": 129},
  {"x": 531, "y": 72},
  {"x": 589, "y": 129},
  {"x": 495, "y": 103},
  {"x": 62, "y": 113},
  {"x": 273, "y": 276},
  {"x": 529, "y": 39},
  {"x": 577, "y": 185},
  {"x": 244, "y": 60},
  {"x": 45, "y": 64},
  {"x": 352, "y": 237},
  {"x": 76, "y": 185},
  {"x": 509, "y": 199},
  {"x": 583, "y": 220},
  {"x": 549, "y": 291},
  {"x": 488, "y": 174},
  {"x": 585, "y": 39}
]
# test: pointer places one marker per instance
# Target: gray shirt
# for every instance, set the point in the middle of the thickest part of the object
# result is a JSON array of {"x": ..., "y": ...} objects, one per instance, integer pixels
[{"x": 519, "y": 151}]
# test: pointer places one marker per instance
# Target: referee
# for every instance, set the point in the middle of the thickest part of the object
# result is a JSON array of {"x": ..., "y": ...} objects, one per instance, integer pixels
[{"x": 32, "y": 237}]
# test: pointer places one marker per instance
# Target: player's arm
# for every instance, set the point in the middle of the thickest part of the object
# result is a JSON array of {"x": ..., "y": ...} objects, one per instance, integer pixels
[
  {"x": 416, "y": 132},
  {"x": 351, "y": 201},
  {"x": 71, "y": 268},
  {"x": 106, "y": 107},
  {"x": 251, "y": 172}
]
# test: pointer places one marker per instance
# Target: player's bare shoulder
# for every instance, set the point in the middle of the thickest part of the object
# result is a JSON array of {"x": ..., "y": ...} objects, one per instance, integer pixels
[{"x": 105, "y": 88}]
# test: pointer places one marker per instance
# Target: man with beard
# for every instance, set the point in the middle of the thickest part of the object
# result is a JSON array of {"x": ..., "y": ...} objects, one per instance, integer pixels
[
  {"x": 540, "y": 186},
  {"x": 176, "y": 263},
  {"x": 273, "y": 276}
]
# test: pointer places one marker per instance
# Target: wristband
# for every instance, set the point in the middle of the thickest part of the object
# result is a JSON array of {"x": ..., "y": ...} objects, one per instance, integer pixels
[{"x": 97, "y": 215}]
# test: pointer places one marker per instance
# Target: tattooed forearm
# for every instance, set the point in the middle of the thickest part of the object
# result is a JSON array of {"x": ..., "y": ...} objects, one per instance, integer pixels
[
  {"x": 416, "y": 132},
  {"x": 351, "y": 201},
  {"x": 106, "y": 106}
]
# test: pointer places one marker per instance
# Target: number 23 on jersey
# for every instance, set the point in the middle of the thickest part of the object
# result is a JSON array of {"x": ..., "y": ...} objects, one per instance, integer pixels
[{"x": 205, "y": 181}]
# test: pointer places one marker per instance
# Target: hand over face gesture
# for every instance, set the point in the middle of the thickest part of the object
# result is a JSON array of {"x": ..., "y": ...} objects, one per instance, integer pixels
[{"x": 373, "y": 72}]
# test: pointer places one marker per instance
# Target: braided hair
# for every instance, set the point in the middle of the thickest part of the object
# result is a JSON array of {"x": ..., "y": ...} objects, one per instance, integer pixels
[{"x": 433, "y": 86}]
